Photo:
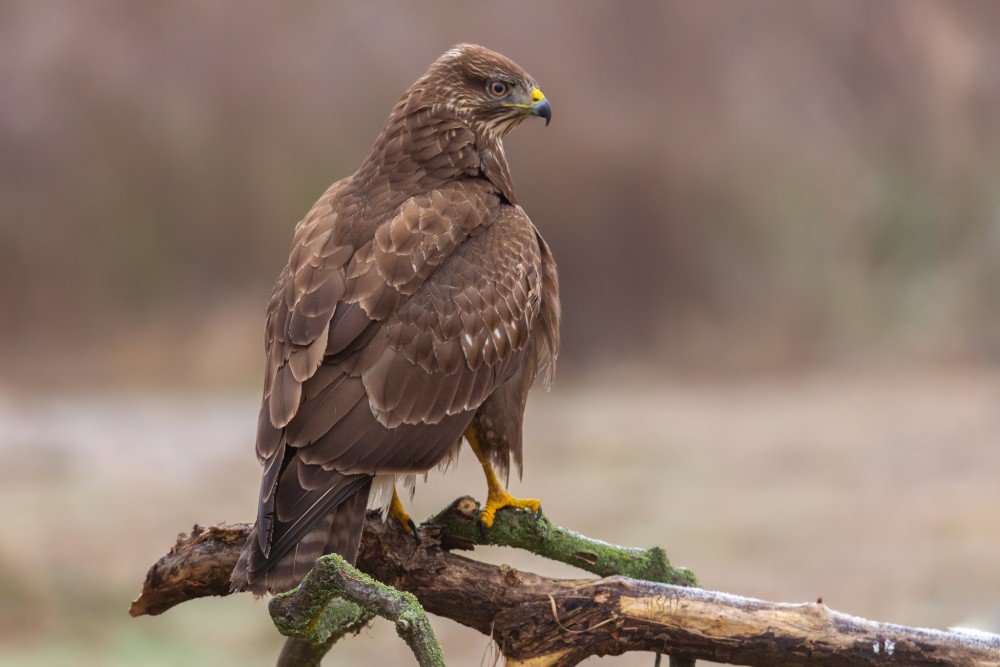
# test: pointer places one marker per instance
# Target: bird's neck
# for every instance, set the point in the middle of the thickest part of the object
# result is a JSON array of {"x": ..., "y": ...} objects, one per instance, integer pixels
[
  {"x": 422, "y": 149},
  {"x": 493, "y": 164}
]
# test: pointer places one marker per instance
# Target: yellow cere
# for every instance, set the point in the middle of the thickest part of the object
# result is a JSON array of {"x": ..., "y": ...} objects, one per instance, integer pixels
[{"x": 536, "y": 97}]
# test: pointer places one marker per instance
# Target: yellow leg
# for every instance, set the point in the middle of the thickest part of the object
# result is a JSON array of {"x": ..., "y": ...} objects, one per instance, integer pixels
[
  {"x": 498, "y": 497},
  {"x": 398, "y": 513}
]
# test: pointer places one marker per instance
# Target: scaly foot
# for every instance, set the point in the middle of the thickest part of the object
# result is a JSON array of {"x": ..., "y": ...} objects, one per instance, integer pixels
[{"x": 497, "y": 497}]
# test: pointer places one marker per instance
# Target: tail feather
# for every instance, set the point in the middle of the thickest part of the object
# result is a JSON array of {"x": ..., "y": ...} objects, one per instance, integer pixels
[{"x": 337, "y": 531}]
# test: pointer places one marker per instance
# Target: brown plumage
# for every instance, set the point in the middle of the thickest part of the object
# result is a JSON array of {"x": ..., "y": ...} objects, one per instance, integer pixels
[{"x": 418, "y": 300}]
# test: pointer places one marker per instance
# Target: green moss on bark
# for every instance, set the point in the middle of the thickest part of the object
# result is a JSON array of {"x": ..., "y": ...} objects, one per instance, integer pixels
[
  {"x": 336, "y": 597},
  {"x": 521, "y": 529}
]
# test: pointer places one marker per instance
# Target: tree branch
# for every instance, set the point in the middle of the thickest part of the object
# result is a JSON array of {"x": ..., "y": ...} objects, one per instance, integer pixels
[
  {"x": 544, "y": 621},
  {"x": 312, "y": 611},
  {"x": 459, "y": 529},
  {"x": 301, "y": 653}
]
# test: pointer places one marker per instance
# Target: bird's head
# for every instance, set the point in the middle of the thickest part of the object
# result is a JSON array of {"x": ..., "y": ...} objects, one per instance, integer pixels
[{"x": 487, "y": 90}]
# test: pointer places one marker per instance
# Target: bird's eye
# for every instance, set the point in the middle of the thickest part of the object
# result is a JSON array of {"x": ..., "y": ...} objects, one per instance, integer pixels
[{"x": 497, "y": 88}]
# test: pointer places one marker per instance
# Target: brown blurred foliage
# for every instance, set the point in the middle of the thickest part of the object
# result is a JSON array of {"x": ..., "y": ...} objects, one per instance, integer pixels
[{"x": 725, "y": 185}]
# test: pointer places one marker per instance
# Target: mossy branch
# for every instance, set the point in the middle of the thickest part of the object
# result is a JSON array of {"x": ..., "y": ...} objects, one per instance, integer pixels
[
  {"x": 539, "y": 620},
  {"x": 335, "y": 596},
  {"x": 460, "y": 529}
]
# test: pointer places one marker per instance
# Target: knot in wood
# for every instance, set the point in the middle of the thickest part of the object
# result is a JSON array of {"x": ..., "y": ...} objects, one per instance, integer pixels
[
  {"x": 510, "y": 576},
  {"x": 467, "y": 506}
]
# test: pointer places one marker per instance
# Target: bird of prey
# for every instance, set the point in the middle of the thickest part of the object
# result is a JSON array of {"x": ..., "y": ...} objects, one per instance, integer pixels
[{"x": 418, "y": 306}]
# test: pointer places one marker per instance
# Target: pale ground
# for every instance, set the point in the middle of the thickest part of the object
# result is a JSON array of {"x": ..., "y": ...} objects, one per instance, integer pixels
[{"x": 878, "y": 493}]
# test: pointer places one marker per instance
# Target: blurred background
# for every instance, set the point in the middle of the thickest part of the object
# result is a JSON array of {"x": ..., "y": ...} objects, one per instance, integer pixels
[{"x": 778, "y": 231}]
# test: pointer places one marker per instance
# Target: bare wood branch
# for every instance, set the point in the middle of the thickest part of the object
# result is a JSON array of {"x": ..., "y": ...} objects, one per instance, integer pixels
[
  {"x": 544, "y": 621},
  {"x": 198, "y": 565}
]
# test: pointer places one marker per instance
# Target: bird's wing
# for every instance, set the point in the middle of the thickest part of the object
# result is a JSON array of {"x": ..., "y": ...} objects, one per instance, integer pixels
[
  {"x": 305, "y": 298},
  {"x": 417, "y": 325},
  {"x": 407, "y": 395},
  {"x": 444, "y": 349}
]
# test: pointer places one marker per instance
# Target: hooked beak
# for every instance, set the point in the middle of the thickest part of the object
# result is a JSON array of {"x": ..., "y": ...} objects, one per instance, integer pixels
[
  {"x": 541, "y": 106},
  {"x": 543, "y": 109}
]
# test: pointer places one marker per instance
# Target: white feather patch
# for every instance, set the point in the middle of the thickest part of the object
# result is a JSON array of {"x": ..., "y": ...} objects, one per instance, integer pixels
[{"x": 383, "y": 485}]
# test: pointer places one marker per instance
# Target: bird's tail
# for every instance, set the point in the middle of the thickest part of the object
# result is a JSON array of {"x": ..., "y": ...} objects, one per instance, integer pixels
[{"x": 338, "y": 531}]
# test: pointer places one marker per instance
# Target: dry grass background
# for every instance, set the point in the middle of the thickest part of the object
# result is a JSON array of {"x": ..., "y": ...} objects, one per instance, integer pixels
[{"x": 778, "y": 229}]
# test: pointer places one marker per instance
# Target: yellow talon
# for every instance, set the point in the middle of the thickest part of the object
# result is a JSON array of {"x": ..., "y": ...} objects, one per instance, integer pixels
[
  {"x": 497, "y": 497},
  {"x": 398, "y": 513}
]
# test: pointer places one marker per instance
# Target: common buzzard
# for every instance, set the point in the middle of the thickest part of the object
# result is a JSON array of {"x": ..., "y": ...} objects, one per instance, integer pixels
[{"x": 418, "y": 305}]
